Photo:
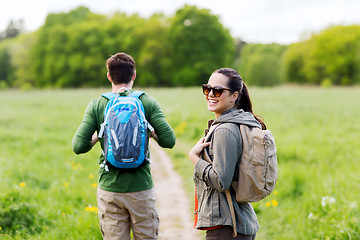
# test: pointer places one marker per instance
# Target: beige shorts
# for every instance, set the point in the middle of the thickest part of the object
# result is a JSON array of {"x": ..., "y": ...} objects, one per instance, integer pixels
[{"x": 120, "y": 212}]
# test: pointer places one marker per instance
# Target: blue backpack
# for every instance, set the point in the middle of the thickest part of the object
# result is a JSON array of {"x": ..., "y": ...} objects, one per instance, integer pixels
[{"x": 124, "y": 131}]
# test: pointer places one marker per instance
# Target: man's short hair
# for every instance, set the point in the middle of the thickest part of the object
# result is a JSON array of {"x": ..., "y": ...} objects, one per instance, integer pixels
[{"x": 121, "y": 67}]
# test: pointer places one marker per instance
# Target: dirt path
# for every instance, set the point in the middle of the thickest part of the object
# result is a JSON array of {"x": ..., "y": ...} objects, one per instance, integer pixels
[{"x": 173, "y": 206}]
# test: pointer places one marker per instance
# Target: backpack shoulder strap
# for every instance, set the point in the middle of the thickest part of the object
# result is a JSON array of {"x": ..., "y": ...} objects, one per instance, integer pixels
[
  {"x": 247, "y": 142},
  {"x": 211, "y": 131},
  {"x": 206, "y": 157},
  {"x": 137, "y": 94},
  {"x": 205, "y": 153},
  {"x": 109, "y": 95},
  {"x": 232, "y": 212}
]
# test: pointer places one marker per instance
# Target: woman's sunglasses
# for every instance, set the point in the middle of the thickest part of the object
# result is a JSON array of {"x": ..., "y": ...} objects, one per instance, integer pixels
[{"x": 217, "y": 90}]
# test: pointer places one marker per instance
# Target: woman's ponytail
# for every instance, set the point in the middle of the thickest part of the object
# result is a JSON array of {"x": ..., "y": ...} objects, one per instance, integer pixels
[{"x": 244, "y": 102}]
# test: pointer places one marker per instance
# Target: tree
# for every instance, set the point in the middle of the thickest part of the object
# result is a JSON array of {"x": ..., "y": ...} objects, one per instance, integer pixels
[
  {"x": 333, "y": 55},
  {"x": 69, "y": 50},
  {"x": 5, "y": 65},
  {"x": 262, "y": 64},
  {"x": 151, "y": 60},
  {"x": 13, "y": 29},
  {"x": 294, "y": 63},
  {"x": 198, "y": 44},
  {"x": 337, "y": 50},
  {"x": 15, "y": 61}
]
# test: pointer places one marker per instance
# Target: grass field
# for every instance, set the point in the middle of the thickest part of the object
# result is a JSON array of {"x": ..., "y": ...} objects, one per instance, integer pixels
[{"x": 47, "y": 192}]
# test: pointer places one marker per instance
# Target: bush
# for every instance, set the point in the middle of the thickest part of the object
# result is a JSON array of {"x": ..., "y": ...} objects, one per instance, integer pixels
[
  {"x": 261, "y": 64},
  {"x": 17, "y": 216}
]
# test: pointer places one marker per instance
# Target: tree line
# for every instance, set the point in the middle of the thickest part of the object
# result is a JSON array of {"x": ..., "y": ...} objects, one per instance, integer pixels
[{"x": 70, "y": 50}]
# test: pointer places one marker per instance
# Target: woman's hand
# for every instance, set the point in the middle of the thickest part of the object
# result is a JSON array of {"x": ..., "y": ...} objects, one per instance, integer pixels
[{"x": 195, "y": 152}]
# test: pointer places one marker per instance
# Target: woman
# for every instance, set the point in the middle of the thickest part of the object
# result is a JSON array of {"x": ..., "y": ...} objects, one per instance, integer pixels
[{"x": 227, "y": 96}]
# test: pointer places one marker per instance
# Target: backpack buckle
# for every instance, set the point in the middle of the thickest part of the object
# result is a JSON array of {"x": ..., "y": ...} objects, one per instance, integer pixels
[{"x": 101, "y": 132}]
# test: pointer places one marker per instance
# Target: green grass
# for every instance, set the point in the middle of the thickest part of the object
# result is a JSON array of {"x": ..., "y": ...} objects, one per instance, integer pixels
[
  {"x": 38, "y": 164},
  {"x": 46, "y": 190}
]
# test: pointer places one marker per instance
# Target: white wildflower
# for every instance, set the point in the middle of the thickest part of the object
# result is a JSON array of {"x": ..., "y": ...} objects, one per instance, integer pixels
[
  {"x": 327, "y": 200},
  {"x": 353, "y": 205},
  {"x": 310, "y": 215}
]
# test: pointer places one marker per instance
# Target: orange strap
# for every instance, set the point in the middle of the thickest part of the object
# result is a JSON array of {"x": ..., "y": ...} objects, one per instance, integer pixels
[
  {"x": 195, "y": 210},
  {"x": 211, "y": 228}
]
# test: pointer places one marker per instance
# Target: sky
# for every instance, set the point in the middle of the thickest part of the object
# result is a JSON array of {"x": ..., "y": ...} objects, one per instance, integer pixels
[{"x": 256, "y": 21}]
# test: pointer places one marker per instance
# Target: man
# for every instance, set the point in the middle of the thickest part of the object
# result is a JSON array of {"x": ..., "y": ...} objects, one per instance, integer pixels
[{"x": 126, "y": 197}]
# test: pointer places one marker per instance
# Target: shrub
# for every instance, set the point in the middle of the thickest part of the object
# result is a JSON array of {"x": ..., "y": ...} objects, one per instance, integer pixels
[{"x": 17, "y": 216}]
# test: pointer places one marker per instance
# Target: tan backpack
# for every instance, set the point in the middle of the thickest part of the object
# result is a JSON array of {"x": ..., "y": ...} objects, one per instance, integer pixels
[{"x": 258, "y": 166}]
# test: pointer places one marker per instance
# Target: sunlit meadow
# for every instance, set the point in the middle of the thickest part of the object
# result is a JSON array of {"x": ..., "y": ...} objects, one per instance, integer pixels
[{"x": 47, "y": 192}]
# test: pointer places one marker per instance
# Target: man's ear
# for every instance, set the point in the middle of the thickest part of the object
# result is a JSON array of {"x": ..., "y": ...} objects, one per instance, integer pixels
[
  {"x": 134, "y": 76},
  {"x": 108, "y": 76}
]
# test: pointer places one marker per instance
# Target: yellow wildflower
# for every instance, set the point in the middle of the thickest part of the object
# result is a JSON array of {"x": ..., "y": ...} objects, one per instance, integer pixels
[
  {"x": 94, "y": 185},
  {"x": 63, "y": 213},
  {"x": 274, "y": 203},
  {"x": 91, "y": 209},
  {"x": 22, "y": 184},
  {"x": 91, "y": 176},
  {"x": 66, "y": 184},
  {"x": 180, "y": 129},
  {"x": 76, "y": 166},
  {"x": 268, "y": 204}
]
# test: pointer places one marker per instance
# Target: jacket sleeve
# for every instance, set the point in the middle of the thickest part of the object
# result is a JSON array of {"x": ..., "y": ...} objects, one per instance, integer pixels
[
  {"x": 81, "y": 142},
  {"x": 226, "y": 152},
  {"x": 162, "y": 128}
]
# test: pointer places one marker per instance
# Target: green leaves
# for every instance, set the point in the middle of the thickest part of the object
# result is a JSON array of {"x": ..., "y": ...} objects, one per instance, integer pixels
[
  {"x": 330, "y": 57},
  {"x": 71, "y": 48},
  {"x": 198, "y": 44},
  {"x": 262, "y": 64}
]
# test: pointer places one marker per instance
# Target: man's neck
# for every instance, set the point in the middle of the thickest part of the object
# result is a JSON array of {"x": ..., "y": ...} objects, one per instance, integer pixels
[{"x": 116, "y": 88}]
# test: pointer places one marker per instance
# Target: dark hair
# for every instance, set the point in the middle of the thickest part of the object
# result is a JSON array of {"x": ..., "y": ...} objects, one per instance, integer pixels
[
  {"x": 121, "y": 67},
  {"x": 236, "y": 84}
]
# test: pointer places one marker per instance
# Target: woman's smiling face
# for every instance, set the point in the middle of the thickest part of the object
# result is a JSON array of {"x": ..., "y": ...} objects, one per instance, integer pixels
[{"x": 225, "y": 101}]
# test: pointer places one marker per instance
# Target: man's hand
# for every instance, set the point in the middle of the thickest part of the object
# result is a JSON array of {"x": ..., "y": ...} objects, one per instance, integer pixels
[
  {"x": 94, "y": 139},
  {"x": 154, "y": 136}
]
